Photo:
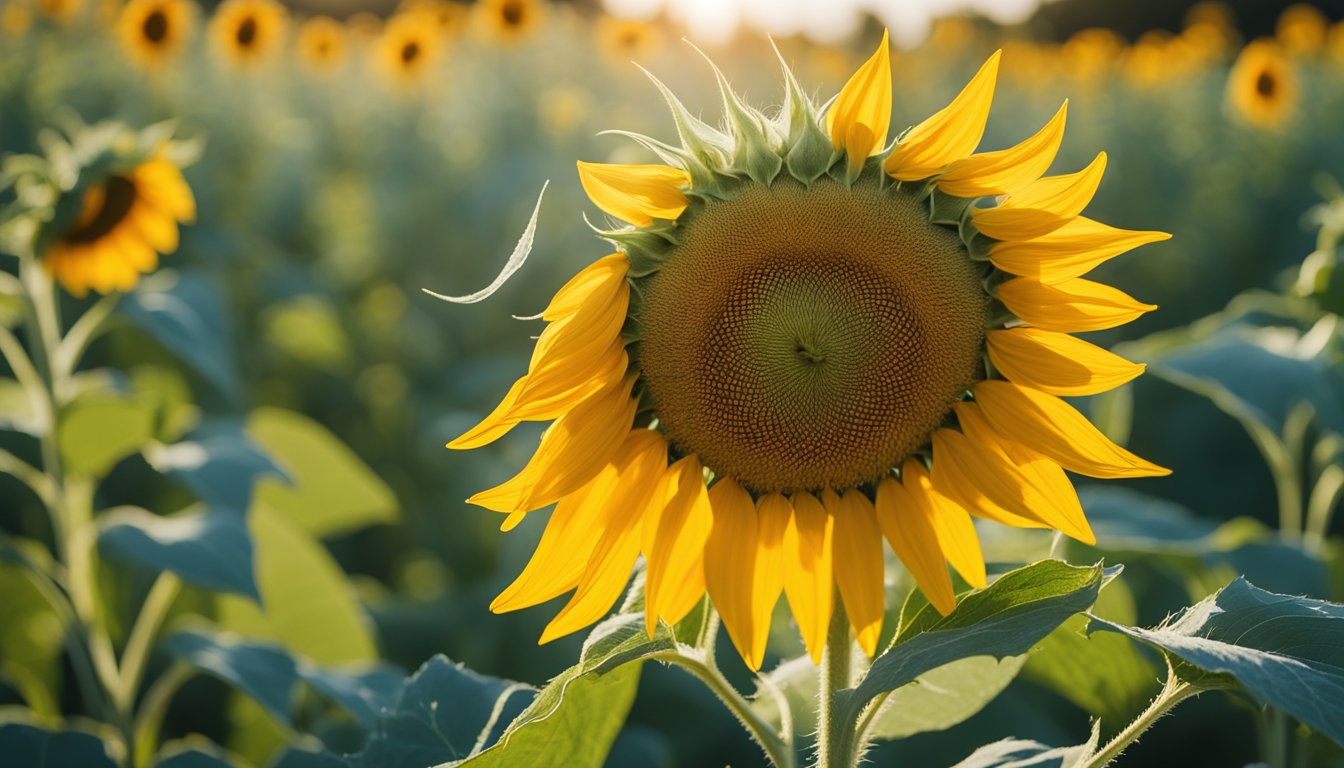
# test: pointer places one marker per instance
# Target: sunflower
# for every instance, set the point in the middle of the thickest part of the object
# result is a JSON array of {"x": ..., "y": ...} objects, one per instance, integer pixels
[
  {"x": 63, "y": 11},
  {"x": 248, "y": 31},
  {"x": 808, "y": 340},
  {"x": 322, "y": 44},
  {"x": 508, "y": 20},
  {"x": 153, "y": 31},
  {"x": 1261, "y": 88},
  {"x": 124, "y": 223},
  {"x": 1302, "y": 29},
  {"x": 15, "y": 19},
  {"x": 450, "y": 16},
  {"x": 624, "y": 39},
  {"x": 409, "y": 44}
]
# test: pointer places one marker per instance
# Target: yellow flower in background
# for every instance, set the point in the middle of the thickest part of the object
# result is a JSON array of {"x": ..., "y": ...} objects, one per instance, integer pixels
[
  {"x": 625, "y": 39},
  {"x": 63, "y": 11},
  {"x": 363, "y": 26},
  {"x": 248, "y": 31},
  {"x": 1262, "y": 87},
  {"x": 322, "y": 44},
  {"x": 1301, "y": 29},
  {"x": 799, "y": 349},
  {"x": 410, "y": 43},
  {"x": 508, "y": 20},
  {"x": 451, "y": 17},
  {"x": 1335, "y": 41},
  {"x": 16, "y": 19},
  {"x": 154, "y": 31},
  {"x": 1091, "y": 52},
  {"x": 124, "y": 224}
]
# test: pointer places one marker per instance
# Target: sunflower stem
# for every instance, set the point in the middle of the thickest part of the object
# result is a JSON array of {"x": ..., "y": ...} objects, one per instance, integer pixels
[
  {"x": 835, "y": 739},
  {"x": 1174, "y": 692},
  {"x": 778, "y": 746}
]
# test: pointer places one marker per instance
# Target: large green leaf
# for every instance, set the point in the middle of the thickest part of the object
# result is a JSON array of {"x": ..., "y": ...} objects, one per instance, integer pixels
[
  {"x": 30, "y": 642},
  {"x": 206, "y": 548},
  {"x": 307, "y": 603},
  {"x": 219, "y": 463},
  {"x": 184, "y": 313},
  {"x": 1005, "y": 619},
  {"x": 331, "y": 489},
  {"x": 1285, "y": 652},
  {"x": 101, "y": 429},
  {"x": 1023, "y": 753},
  {"x": 31, "y": 747}
]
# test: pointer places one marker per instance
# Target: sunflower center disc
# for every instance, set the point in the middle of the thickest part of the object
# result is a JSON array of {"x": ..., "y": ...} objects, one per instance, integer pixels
[{"x": 800, "y": 339}]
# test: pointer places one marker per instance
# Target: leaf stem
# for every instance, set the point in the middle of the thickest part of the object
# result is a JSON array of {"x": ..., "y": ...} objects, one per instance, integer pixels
[
  {"x": 138, "y": 644},
  {"x": 778, "y": 746},
  {"x": 1173, "y": 692},
  {"x": 835, "y": 739}
]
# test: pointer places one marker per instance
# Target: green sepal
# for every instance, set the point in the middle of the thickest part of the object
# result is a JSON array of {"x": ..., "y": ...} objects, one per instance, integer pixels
[
  {"x": 979, "y": 245},
  {"x": 705, "y": 143},
  {"x": 807, "y": 150},
  {"x": 752, "y": 154},
  {"x": 948, "y": 209}
]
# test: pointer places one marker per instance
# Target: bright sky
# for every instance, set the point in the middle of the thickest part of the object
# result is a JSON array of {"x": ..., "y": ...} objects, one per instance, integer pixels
[{"x": 712, "y": 21}]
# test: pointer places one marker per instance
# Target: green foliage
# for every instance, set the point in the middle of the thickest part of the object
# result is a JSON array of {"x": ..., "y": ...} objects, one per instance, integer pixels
[
  {"x": 100, "y": 430},
  {"x": 207, "y": 549},
  {"x": 34, "y": 747},
  {"x": 1021, "y": 753},
  {"x": 183, "y": 312}
]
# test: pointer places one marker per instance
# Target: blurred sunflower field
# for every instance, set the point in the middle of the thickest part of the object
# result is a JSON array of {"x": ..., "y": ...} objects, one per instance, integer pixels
[{"x": 231, "y": 534}]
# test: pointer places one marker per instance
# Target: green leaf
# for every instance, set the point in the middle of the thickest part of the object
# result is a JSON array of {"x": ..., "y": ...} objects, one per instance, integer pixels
[
  {"x": 16, "y": 408},
  {"x": 32, "y": 747},
  {"x": 208, "y": 549},
  {"x": 1102, "y": 674},
  {"x": 219, "y": 464},
  {"x": 308, "y": 329},
  {"x": 101, "y": 429},
  {"x": 308, "y": 604},
  {"x": 193, "y": 753},
  {"x": 183, "y": 312},
  {"x": 1285, "y": 652},
  {"x": 1022, "y": 753},
  {"x": 1005, "y": 619},
  {"x": 944, "y": 696},
  {"x": 30, "y": 642},
  {"x": 332, "y": 490}
]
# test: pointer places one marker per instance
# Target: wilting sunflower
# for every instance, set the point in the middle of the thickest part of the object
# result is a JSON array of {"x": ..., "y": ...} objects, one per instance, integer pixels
[
  {"x": 153, "y": 31},
  {"x": 248, "y": 31},
  {"x": 123, "y": 225},
  {"x": 322, "y": 44},
  {"x": 1261, "y": 88},
  {"x": 409, "y": 44},
  {"x": 809, "y": 340},
  {"x": 508, "y": 20}
]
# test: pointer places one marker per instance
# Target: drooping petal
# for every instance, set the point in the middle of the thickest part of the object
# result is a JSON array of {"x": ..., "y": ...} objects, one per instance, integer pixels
[
  {"x": 730, "y": 565},
  {"x": 909, "y": 529},
  {"x": 637, "y": 194},
  {"x": 1070, "y": 251},
  {"x": 597, "y": 282},
  {"x": 950, "y": 134},
  {"x": 1054, "y": 428},
  {"x": 1057, "y": 363},
  {"x": 808, "y": 581},
  {"x": 858, "y": 563},
  {"x": 1042, "y": 206},
  {"x": 642, "y": 460},
  {"x": 1072, "y": 306},
  {"x": 859, "y": 118},
  {"x": 675, "y": 531},
  {"x": 1007, "y": 170},
  {"x": 951, "y": 524}
]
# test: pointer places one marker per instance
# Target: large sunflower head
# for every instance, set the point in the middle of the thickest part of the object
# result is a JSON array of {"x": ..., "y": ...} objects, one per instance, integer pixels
[
  {"x": 154, "y": 31},
  {"x": 1262, "y": 87},
  {"x": 409, "y": 45},
  {"x": 247, "y": 32},
  {"x": 810, "y": 338}
]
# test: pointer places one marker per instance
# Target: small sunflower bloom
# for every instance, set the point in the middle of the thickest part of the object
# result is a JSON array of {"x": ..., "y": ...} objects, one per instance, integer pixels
[
  {"x": 409, "y": 46},
  {"x": 155, "y": 31},
  {"x": 124, "y": 223},
  {"x": 322, "y": 44},
  {"x": 1262, "y": 85},
  {"x": 795, "y": 355},
  {"x": 247, "y": 32},
  {"x": 508, "y": 21}
]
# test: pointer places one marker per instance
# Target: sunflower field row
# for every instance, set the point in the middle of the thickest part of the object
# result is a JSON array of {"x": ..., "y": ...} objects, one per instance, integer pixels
[{"x": 230, "y": 533}]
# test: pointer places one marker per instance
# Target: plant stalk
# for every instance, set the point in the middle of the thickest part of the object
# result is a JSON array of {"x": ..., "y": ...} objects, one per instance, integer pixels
[
  {"x": 778, "y": 746},
  {"x": 1174, "y": 692},
  {"x": 835, "y": 737}
]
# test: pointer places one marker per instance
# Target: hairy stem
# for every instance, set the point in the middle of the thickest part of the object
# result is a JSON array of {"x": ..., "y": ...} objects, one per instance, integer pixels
[
  {"x": 835, "y": 738},
  {"x": 1173, "y": 693},
  {"x": 778, "y": 746}
]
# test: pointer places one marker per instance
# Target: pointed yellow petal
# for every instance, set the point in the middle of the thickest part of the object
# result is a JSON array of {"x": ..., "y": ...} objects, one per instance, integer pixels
[
  {"x": 956, "y": 474},
  {"x": 858, "y": 563},
  {"x": 730, "y": 564},
  {"x": 642, "y": 461},
  {"x": 951, "y": 524},
  {"x": 572, "y": 451},
  {"x": 676, "y": 529},
  {"x": 1070, "y": 251},
  {"x": 949, "y": 135},
  {"x": 597, "y": 282},
  {"x": 564, "y": 549},
  {"x": 1071, "y": 306},
  {"x": 909, "y": 529},
  {"x": 860, "y": 116},
  {"x": 636, "y": 193},
  {"x": 1007, "y": 170},
  {"x": 1057, "y": 363},
  {"x": 1065, "y": 195},
  {"x": 1054, "y": 428},
  {"x": 773, "y": 513},
  {"x": 808, "y": 581}
]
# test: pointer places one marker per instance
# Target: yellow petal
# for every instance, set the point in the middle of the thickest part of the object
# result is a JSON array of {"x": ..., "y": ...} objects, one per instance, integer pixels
[
  {"x": 858, "y": 563},
  {"x": 1057, "y": 363},
  {"x": 1070, "y": 306},
  {"x": 951, "y": 524},
  {"x": 1052, "y": 427},
  {"x": 642, "y": 461},
  {"x": 773, "y": 513},
  {"x": 950, "y": 134},
  {"x": 859, "y": 118},
  {"x": 676, "y": 527},
  {"x": 909, "y": 529},
  {"x": 635, "y": 193},
  {"x": 160, "y": 183},
  {"x": 1070, "y": 251},
  {"x": 1065, "y": 195},
  {"x": 808, "y": 581},
  {"x": 598, "y": 281},
  {"x": 730, "y": 564},
  {"x": 1007, "y": 170},
  {"x": 572, "y": 451}
]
